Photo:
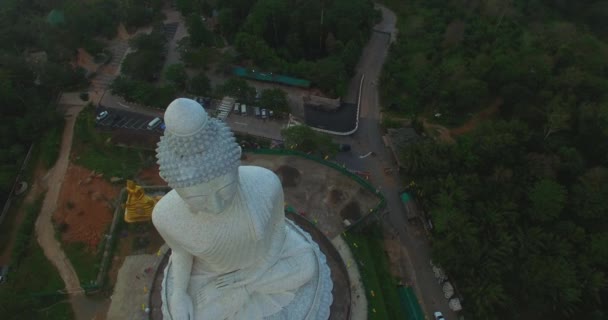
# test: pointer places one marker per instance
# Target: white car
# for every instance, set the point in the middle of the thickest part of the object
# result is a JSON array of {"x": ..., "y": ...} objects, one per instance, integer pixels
[
  {"x": 102, "y": 115},
  {"x": 438, "y": 315}
]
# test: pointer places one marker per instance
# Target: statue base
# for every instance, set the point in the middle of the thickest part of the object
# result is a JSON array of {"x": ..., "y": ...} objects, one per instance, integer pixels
[{"x": 313, "y": 300}]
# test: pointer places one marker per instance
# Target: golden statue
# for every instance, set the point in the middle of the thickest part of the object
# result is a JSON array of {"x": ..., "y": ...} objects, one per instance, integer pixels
[{"x": 139, "y": 205}]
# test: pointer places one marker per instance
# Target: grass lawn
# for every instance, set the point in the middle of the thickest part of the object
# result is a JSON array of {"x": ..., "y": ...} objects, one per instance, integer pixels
[
  {"x": 86, "y": 263},
  {"x": 31, "y": 291},
  {"x": 50, "y": 144},
  {"x": 381, "y": 288},
  {"x": 94, "y": 150}
]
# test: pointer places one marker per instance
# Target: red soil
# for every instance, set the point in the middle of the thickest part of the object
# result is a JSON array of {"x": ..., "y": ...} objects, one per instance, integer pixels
[{"x": 84, "y": 208}]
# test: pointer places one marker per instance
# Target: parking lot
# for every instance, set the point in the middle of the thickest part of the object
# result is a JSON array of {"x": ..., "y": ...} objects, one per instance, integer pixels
[
  {"x": 247, "y": 123},
  {"x": 126, "y": 120}
]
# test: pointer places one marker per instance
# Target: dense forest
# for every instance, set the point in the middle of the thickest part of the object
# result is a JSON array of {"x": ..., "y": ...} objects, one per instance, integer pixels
[
  {"x": 38, "y": 43},
  {"x": 319, "y": 40},
  {"x": 518, "y": 205}
]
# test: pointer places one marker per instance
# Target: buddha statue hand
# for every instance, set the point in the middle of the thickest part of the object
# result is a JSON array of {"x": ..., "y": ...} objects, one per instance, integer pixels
[
  {"x": 237, "y": 278},
  {"x": 181, "y": 306},
  {"x": 221, "y": 303}
]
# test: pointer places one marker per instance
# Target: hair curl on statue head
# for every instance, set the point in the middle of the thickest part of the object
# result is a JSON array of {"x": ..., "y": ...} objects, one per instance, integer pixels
[{"x": 190, "y": 158}]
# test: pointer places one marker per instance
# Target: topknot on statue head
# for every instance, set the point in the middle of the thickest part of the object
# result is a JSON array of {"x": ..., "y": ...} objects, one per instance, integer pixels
[{"x": 195, "y": 148}]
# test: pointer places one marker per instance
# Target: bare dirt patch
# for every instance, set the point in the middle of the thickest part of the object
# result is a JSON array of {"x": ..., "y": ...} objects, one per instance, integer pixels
[
  {"x": 335, "y": 196},
  {"x": 322, "y": 194},
  {"x": 86, "y": 61},
  {"x": 86, "y": 203},
  {"x": 84, "y": 208},
  {"x": 477, "y": 118},
  {"x": 447, "y": 135}
]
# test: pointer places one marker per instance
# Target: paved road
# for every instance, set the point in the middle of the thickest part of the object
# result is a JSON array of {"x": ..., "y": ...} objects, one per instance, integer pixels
[{"x": 369, "y": 138}]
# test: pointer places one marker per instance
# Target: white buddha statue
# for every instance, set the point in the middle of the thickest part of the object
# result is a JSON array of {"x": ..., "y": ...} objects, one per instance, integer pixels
[{"x": 234, "y": 255}]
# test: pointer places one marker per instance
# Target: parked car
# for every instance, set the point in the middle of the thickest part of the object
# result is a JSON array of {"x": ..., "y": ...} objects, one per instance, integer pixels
[
  {"x": 154, "y": 123},
  {"x": 270, "y": 113},
  {"x": 102, "y": 115},
  {"x": 264, "y": 114},
  {"x": 438, "y": 315},
  {"x": 237, "y": 108},
  {"x": 3, "y": 273},
  {"x": 256, "y": 111},
  {"x": 343, "y": 147}
]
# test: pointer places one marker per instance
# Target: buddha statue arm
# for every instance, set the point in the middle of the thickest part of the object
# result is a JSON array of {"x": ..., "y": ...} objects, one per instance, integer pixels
[
  {"x": 179, "y": 302},
  {"x": 179, "y": 268}
]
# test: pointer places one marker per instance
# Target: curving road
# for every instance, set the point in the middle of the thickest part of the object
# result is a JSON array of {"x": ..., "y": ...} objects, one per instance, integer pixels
[{"x": 415, "y": 246}]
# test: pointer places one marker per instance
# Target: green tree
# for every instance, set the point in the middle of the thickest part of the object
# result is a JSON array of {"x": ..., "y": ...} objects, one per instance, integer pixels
[
  {"x": 274, "y": 99},
  {"x": 548, "y": 199},
  {"x": 237, "y": 88},
  {"x": 200, "y": 84},
  {"x": 176, "y": 74},
  {"x": 589, "y": 194},
  {"x": 305, "y": 139},
  {"x": 142, "y": 65},
  {"x": 199, "y": 34}
]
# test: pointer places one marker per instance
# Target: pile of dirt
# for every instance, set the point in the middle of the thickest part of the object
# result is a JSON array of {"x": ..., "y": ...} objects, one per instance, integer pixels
[
  {"x": 351, "y": 211},
  {"x": 335, "y": 196},
  {"x": 290, "y": 176},
  {"x": 85, "y": 206}
]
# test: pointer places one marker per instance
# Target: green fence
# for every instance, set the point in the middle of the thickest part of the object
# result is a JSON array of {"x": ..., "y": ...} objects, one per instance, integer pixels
[
  {"x": 270, "y": 77},
  {"x": 410, "y": 304}
]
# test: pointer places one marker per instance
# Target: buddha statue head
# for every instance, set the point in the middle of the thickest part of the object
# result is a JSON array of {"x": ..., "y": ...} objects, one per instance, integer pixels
[{"x": 198, "y": 157}]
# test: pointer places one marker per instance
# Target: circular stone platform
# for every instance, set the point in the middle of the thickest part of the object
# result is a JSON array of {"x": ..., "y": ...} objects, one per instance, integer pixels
[{"x": 340, "y": 307}]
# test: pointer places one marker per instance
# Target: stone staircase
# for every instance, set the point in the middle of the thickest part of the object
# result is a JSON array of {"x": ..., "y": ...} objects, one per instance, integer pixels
[{"x": 225, "y": 107}]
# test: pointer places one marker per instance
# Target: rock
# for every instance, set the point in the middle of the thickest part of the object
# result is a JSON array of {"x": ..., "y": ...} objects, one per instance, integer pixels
[
  {"x": 96, "y": 196},
  {"x": 88, "y": 180},
  {"x": 115, "y": 179}
]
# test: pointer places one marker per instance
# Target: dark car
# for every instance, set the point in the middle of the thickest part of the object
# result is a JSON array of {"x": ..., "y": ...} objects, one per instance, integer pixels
[
  {"x": 3, "y": 273},
  {"x": 343, "y": 147}
]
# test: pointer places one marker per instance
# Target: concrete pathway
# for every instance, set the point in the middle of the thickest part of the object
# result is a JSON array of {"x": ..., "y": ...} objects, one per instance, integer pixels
[{"x": 358, "y": 305}]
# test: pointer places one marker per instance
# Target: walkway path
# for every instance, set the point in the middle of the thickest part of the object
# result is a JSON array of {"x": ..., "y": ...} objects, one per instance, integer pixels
[
  {"x": 83, "y": 307},
  {"x": 44, "y": 226}
]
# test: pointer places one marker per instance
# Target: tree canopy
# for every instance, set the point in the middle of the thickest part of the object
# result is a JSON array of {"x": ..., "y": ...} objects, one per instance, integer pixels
[
  {"x": 515, "y": 204},
  {"x": 303, "y": 138}
]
